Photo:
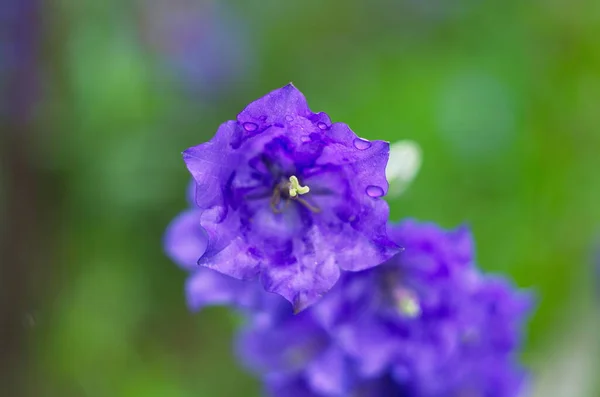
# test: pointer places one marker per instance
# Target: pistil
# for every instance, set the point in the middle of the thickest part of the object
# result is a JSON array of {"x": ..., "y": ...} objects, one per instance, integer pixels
[
  {"x": 291, "y": 190},
  {"x": 295, "y": 188}
]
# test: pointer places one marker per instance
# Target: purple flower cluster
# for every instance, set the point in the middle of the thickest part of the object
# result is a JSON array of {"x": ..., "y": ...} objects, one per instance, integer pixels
[
  {"x": 282, "y": 200},
  {"x": 425, "y": 323}
]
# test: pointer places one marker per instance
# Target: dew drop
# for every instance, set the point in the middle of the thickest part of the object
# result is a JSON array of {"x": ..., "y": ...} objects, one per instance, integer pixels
[
  {"x": 305, "y": 138},
  {"x": 374, "y": 191},
  {"x": 361, "y": 144},
  {"x": 289, "y": 118},
  {"x": 250, "y": 127},
  {"x": 322, "y": 125}
]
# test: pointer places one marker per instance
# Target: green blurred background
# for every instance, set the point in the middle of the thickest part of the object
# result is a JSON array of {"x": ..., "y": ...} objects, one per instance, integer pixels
[{"x": 99, "y": 98}]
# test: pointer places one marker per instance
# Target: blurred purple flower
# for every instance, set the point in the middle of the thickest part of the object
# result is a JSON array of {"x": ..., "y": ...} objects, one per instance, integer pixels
[
  {"x": 202, "y": 44},
  {"x": 426, "y": 323},
  {"x": 289, "y": 198},
  {"x": 298, "y": 386},
  {"x": 19, "y": 47}
]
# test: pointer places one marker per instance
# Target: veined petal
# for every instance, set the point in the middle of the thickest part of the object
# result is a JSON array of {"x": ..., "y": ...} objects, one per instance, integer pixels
[
  {"x": 212, "y": 163},
  {"x": 227, "y": 252},
  {"x": 277, "y": 107},
  {"x": 311, "y": 274}
]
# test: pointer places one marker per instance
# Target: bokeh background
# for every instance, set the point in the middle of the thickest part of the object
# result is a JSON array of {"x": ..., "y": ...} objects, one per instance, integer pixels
[{"x": 99, "y": 98}]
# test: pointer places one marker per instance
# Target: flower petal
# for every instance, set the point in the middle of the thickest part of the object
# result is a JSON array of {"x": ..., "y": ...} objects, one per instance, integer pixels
[
  {"x": 371, "y": 344},
  {"x": 289, "y": 386},
  {"x": 312, "y": 272},
  {"x": 274, "y": 107},
  {"x": 207, "y": 287},
  {"x": 190, "y": 193},
  {"x": 185, "y": 240},
  {"x": 363, "y": 212},
  {"x": 329, "y": 373},
  {"x": 212, "y": 163},
  {"x": 282, "y": 349},
  {"x": 227, "y": 252}
]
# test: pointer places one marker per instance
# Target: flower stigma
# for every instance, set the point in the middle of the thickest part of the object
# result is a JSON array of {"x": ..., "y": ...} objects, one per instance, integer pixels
[
  {"x": 295, "y": 188},
  {"x": 291, "y": 190}
]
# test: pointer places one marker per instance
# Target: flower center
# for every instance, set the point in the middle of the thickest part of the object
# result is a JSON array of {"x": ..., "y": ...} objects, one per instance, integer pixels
[
  {"x": 407, "y": 303},
  {"x": 290, "y": 190}
]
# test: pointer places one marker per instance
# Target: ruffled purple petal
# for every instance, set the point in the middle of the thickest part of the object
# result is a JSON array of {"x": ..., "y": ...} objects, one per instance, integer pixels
[
  {"x": 360, "y": 207},
  {"x": 362, "y": 158},
  {"x": 311, "y": 274},
  {"x": 185, "y": 240},
  {"x": 280, "y": 106},
  {"x": 227, "y": 252},
  {"x": 212, "y": 163},
  {"x": 207, "y": 287}
]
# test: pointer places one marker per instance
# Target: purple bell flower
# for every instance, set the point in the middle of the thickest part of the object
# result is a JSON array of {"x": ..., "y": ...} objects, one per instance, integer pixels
[
  {"x": 426, "y": 323},
  {"x": 289, "y": 198}
]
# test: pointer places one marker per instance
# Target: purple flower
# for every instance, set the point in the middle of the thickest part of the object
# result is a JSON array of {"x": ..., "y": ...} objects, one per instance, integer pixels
[
  {"x": 426, "y": 323},
  {"x": 202, "y": 45},
  {"x": 297, "y": 351},
  {"x": 289, "y": 198},
  {"x": 19, "y": 64}
]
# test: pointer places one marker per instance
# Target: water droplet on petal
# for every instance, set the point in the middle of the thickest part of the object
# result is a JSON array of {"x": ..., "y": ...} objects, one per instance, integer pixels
[
  {"x": 250, "y": 127},
  {"x": 322, "y": 125},
  {"x": 289, "y": 118},
  {"x": 374, "y": 191},
  {"x": 305, "y": 138},
  {"x": 361, "y": 144}
]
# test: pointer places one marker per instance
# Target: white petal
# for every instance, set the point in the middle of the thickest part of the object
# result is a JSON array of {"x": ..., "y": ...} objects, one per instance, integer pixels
[{"x": 404, "y": 163}]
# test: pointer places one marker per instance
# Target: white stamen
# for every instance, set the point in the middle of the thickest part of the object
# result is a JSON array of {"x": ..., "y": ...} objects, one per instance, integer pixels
[{"x": 295, "y": 189}]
